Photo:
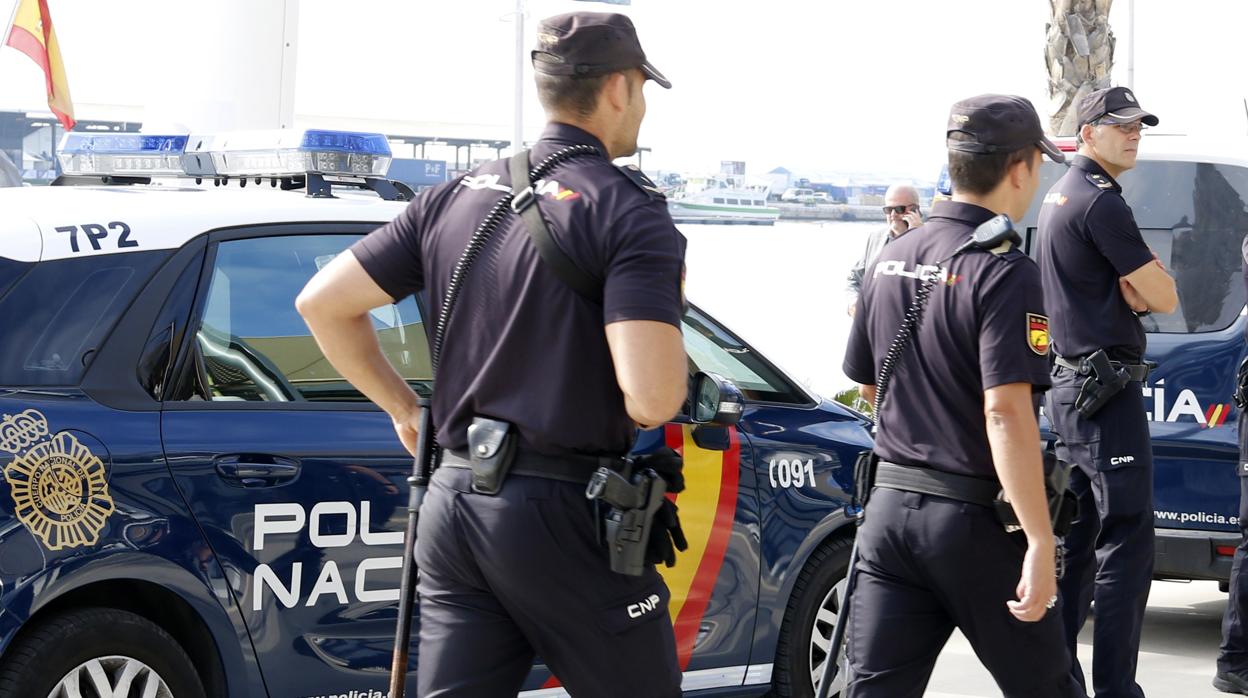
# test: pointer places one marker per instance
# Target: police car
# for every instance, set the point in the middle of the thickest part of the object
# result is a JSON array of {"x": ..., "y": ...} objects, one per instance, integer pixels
[
  {"x": 1189, "y": 199},
  {"x": 196, "y": 504}
]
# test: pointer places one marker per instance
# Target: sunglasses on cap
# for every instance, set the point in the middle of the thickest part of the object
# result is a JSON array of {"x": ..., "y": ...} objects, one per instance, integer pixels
[{"x": 899, "y": 210}]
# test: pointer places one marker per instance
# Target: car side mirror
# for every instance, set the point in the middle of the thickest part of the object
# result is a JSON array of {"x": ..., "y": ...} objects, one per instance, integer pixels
[{"x": 716, "y": 400}]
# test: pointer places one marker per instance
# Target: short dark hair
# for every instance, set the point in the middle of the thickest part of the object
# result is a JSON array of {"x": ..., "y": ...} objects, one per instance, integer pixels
[
  {"x": 980, "y": 173},
  {"x": 569, "y": 93}
]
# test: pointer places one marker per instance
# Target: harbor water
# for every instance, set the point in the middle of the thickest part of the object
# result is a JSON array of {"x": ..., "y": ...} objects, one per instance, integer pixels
[{"x": 781, "y": 288}]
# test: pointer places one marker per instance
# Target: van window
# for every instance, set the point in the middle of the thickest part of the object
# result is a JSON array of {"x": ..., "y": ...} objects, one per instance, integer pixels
[
  {"x": 251, "y": 343},
  {"x": 1194, "y": 215},
  {"x": 59, "y": 312}
]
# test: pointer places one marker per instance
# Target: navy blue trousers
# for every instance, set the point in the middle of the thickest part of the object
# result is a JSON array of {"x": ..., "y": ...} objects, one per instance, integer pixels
[
  {"x": 1233, "y": 656},
  {"x": 927, "y": 565},
  {"x": 1109, "y": 551},
  {"x": 504, "y": 578}
]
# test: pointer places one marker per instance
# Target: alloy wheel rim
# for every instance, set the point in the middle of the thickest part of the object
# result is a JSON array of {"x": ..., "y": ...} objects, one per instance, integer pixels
[
  {"x": 113, "y": 676},
  {"x": 821, "y": 639}
]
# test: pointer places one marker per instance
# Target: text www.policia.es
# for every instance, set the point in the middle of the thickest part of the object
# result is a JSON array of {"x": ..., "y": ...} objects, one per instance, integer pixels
[{"x": 1201, "y": 517}]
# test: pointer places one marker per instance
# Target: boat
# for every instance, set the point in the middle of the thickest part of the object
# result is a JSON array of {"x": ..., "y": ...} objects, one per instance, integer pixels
[{"x": 725, "y": 199}]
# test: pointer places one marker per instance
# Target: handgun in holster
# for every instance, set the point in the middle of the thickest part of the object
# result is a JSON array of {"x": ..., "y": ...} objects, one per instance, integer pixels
[
  {"x": 634, "y": 496},
  {"x": 1102, "y": 382}
]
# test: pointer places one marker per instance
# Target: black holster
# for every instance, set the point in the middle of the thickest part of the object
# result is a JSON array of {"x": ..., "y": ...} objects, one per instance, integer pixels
[
  {"x": 1063, "y": 504},
  {"x": 491, "y": 451},
  {"x": 634, "y": 496},
  {"x": 1241, "y": 385},
  {"x": 865, "y": 468},
  {"x": 1102, "y": 383}
]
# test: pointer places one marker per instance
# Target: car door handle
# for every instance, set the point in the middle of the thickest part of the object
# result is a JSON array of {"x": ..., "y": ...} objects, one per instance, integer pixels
[{"x": 255, "y": 470}]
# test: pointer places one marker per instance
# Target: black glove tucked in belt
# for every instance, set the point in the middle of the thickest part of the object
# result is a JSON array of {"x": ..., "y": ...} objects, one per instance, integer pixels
[
  {"x": 666, "y": 535},
  {"x": 667, "y": 463}
]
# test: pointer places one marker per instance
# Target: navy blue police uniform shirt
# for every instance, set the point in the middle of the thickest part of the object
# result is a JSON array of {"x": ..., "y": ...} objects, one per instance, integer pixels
[
  {"x": 1087, "y": 239},
  {"x": 521, "y": 345},
  {"x": 984, "y": 326}
]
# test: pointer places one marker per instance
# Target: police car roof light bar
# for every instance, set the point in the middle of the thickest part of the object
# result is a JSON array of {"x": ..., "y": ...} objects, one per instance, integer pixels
[
  {"x": 288, "y": 153},
  {"x": 122, "y": 155}
]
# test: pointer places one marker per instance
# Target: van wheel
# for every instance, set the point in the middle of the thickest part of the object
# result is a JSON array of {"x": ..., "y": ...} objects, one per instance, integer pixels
[
  {"x": 806, "y": 633},
  {"x": 94, "y": 652}
]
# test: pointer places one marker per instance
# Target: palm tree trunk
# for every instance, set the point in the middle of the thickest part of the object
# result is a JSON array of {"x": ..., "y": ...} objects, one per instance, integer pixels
[{"x": 1079, "y": 53}]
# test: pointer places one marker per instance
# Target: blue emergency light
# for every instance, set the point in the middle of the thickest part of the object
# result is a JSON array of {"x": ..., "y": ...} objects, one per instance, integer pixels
[
  {"x": 121, "y": 154},
  {"x": 287, "y": 153},
  {"x": 279, "y": 153}
]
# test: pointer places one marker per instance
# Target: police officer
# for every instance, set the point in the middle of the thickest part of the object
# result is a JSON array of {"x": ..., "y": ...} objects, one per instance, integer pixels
[
  {"x": 933, "y": 553},
  {"x": 1232, "y": 675},
  {"x": 1098, "y": 275},
  {"x": 504, "y": 576}
]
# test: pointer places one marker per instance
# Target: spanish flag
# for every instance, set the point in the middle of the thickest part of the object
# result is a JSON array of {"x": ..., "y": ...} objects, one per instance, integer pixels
[{"x": 33, "y": 35}]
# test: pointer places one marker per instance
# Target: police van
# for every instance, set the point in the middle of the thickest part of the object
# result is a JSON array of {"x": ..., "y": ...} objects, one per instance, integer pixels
[
  {"x": 196, "y": 504},
  {"x": 1190, "y": 200}
]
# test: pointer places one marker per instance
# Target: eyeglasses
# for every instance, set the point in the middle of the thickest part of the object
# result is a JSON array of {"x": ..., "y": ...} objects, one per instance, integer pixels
[
  {"x": 1133, "y": 127},
  {"x": 899, "y": 210}
]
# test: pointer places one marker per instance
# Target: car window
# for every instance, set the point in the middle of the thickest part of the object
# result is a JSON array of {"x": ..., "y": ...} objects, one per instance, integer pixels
[
  {"x": 1194, "y": 216},
  {"x": 10, "y": 271},
  {"x": 712, "y": 348},
  {"x": 56, "y": 314},
  {"x": 252, "y": 345}
]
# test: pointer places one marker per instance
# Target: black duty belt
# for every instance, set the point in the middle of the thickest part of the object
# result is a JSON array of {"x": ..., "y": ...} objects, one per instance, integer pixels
[
  {"x": 568, "y": 468},
  {"x": 964, "y": 488},
  {"x": 1138, "y": 372}
]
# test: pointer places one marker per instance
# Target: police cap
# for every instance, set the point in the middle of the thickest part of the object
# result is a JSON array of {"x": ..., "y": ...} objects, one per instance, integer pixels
[
  {"x": 1113, "y": 105},
  {"x": 586, "y": 44},
  {"x": 998, "y": 124}
]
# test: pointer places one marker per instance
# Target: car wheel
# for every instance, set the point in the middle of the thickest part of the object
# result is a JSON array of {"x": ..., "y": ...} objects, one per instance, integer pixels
[
  {"x": 97, "y": 652},
  {"x": 806, "y": 633}
]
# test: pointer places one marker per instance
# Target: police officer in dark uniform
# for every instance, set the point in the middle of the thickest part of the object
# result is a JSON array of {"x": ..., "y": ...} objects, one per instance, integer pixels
[
  {"x": 1232, "y": 675},
  {"x": 523, "y": 571},
  {"x": 933, "y": 552},
  {"x": 1098, "y": 276}
]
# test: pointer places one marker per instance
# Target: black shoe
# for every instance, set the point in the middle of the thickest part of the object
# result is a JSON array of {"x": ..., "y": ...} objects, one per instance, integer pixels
[{"x": 1227, "y": 682}]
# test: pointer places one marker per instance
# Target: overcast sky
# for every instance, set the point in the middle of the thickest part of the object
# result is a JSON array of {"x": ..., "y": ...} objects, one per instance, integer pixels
[{"x": 816, "y": 84}]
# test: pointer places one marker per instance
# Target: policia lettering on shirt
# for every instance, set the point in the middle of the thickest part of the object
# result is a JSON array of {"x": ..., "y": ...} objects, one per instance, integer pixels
[
  {"x": 1098, "y": 274},
  {"x": 929, "y": 563},
  {"x": 514, "y": 567}
]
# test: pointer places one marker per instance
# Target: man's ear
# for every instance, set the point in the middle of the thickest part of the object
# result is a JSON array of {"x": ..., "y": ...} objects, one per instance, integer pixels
[
  {"x": 617, "y": 91},
  {"x": 1018, "y": 173},
  {"x": 1085, "y": 132}
]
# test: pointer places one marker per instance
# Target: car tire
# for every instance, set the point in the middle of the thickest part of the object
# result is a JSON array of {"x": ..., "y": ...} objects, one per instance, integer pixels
[
  {"x": 815, "y": 601},
  {"x": 77, "y": 645}
]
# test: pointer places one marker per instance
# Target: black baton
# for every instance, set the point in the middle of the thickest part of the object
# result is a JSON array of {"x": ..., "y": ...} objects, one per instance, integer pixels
[{"x": 422, "y": 470}]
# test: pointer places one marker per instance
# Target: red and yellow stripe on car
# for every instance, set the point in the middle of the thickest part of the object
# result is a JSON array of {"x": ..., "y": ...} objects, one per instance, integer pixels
[
  {"x": 1216, "y": 415},
  {"x": 707, "y": 506}
]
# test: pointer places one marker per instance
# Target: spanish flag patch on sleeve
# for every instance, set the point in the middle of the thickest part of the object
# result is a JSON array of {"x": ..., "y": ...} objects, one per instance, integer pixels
[{"x": 1038, "y": 333}]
